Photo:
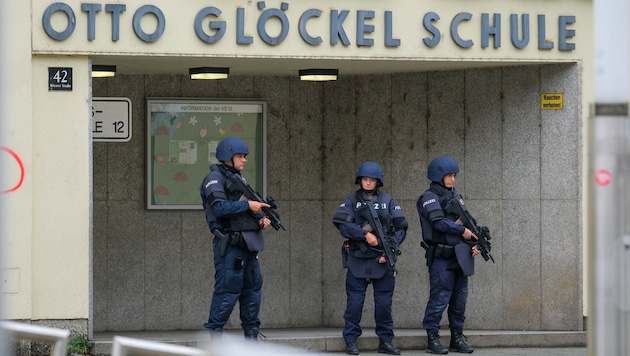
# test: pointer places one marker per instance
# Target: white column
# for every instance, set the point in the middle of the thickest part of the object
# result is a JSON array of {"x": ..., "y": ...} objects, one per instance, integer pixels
[{"x": 4, "y": 40}]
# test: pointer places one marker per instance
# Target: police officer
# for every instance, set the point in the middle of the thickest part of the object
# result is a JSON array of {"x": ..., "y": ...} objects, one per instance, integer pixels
[
  {"x": 365, "y": 259},
  {"x": 237, "y": 271},
  {"x": 450, "y": 251}
]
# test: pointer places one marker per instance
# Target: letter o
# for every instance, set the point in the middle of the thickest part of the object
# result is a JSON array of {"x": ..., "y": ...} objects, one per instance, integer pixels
[
  {"x": 137, "y": 28},
  {"x": 217, "y": 25},
  {"x": 72, "y": 22},
  {"x": 262, "y": 32}
]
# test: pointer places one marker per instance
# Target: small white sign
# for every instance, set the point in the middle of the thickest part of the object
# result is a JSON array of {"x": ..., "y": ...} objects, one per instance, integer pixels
[{"x": 111, "y": 119}]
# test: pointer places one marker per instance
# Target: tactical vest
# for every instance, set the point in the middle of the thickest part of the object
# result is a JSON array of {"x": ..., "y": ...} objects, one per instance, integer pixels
[{"x": 245, "y": 221}]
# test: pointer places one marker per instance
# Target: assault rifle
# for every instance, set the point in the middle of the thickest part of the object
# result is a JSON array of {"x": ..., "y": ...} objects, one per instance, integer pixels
[
  {"x": 390, "y": 246},
  {"x": 456, "y": 207},
  {"x": 238, "y": 183}
]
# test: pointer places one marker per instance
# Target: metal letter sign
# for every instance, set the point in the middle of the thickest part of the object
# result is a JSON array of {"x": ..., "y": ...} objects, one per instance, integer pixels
[
  {"x": 111, "y": 119},
  {"x": 59, "y": 78}
]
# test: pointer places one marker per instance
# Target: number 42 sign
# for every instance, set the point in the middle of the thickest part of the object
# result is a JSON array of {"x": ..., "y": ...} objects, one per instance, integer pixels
[{"x": 111, "y": 119}]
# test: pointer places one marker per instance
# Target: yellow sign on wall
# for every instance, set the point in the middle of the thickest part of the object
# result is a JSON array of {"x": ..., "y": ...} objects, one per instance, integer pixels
[{"x": 551, "y": 101}]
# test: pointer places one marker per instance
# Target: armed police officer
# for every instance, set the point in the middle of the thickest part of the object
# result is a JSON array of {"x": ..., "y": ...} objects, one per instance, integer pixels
[
  {"x": 236, "y": 223},
  {"x": 370, "y": 258},
  {"x": 450, "y": 251}
]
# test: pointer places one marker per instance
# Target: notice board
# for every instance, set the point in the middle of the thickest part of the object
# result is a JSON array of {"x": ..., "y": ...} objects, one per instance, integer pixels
[{"x": 182, "y": 136}]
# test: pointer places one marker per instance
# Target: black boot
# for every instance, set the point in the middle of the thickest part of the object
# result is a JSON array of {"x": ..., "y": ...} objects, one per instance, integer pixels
[
  {"x": 216, "y": 334},
  {"x": 352, "y": 349},
  {"x": 433, "y": 343},
  {"x": 458, "y": 344},
  {"x": 251, "y": 335},
  {"x": 386, "y": 347}
]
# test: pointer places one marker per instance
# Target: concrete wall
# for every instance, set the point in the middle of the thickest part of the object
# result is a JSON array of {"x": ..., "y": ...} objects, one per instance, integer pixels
[{"x": 520, "y": 173}]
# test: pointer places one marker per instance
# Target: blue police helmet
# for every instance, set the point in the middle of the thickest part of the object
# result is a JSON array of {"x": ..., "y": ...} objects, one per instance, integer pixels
[
  {"x": 229, "y": 146},
  {"x": 441, "y": 166},
  {"x": 371, "y": 170}
]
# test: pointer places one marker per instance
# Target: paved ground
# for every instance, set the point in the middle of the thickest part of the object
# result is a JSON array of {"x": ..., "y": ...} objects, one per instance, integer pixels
[
  {"x": 555, "y": 351},
  {"x": 328, "y": 342},
  {"x": 236, "y": 347}
]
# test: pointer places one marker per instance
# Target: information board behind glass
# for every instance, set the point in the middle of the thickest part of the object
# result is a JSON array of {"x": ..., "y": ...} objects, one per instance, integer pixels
[{"x": 182, "y": 136}]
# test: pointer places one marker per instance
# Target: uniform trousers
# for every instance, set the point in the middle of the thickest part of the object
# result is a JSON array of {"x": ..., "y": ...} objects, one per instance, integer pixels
[
  {"x": 355, "y": 294},
  {"x": 237, "y": 278},
  {"x": 449, "y": 288}
]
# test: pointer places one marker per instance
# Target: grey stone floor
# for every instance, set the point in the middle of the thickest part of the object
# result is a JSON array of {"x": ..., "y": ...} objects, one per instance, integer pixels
[{"x": 328, "y": 341}]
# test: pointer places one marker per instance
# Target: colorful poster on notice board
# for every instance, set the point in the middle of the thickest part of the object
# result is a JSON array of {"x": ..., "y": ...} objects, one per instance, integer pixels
[{"x": 182, "y": 136}]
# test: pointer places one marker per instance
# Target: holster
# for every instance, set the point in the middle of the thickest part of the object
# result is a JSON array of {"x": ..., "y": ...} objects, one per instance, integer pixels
[
  {"x": 224, "y": 241},
  {"x": 430, "y": 252},
  {"x": 345, "y": 248},
  {"x": 229, "y": 239}
]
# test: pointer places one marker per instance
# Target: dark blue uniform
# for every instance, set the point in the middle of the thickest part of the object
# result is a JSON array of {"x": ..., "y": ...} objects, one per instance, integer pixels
[
  {"x": 363, "y": 265},
  {"x": 237, "y": 274},
  {"x": 452, "y": 259}
]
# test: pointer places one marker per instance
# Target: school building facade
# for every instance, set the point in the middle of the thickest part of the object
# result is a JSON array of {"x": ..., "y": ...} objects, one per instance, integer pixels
[{"x": 504, "y": 87}]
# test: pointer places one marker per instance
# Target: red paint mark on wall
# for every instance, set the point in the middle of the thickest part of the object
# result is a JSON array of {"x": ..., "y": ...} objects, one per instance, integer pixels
[
  {"x": 603, "y": 177},
  {"x": 20, "y": 164}
]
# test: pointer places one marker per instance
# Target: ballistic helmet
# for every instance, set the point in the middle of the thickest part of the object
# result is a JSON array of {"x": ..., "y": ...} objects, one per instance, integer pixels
[
  {"x": 441, "y": 166},
  {"x": 371, "y": 170},
  {"x": 229, "y": 146}
]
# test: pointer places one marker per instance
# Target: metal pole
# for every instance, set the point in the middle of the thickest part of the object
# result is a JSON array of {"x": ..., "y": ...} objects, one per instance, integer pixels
[
  {"x": 58, "y": 338},
  {"x": 609, "y": 177}
]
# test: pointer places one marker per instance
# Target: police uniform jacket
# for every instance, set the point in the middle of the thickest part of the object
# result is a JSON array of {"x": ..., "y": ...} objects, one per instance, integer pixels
[
  {"x": 440, "y": 228},
  {"x": 226, "y": 211},
  {"x": 363, "y": 258}
]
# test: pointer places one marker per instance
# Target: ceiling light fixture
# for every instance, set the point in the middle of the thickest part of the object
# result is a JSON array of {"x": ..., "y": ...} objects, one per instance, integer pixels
[
  {"x": 103, "y": 71},
  {"x": 319, "y": 75},
  {"x": 209, "y": 73}
]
